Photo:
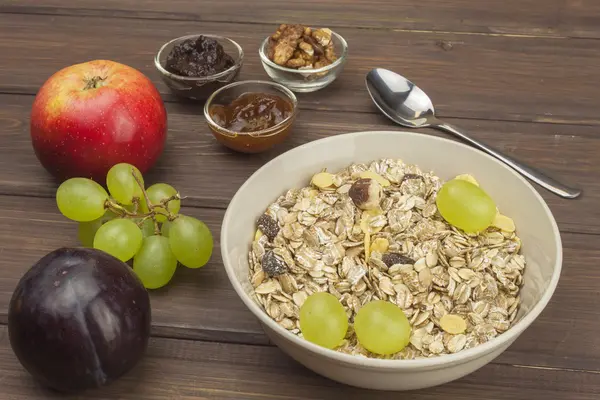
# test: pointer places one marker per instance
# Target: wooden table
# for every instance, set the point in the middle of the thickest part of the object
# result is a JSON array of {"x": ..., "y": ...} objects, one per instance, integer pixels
[{"x": 521, "y": 75}]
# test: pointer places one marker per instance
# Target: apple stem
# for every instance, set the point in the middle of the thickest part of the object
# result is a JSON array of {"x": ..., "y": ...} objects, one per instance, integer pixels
[{"x": 94, "y": 82}]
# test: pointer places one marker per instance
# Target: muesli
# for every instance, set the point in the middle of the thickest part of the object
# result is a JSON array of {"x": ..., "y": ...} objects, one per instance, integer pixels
[{"x": 374, "y": 232}]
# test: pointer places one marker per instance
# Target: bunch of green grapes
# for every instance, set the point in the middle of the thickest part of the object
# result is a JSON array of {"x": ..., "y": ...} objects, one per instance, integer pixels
[{"x": 136, "y": 223}]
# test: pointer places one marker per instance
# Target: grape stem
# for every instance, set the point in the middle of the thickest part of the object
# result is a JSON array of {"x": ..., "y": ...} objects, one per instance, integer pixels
[
  {"x": 165, "y": 204},
  {"x": 136, "y": 204},
  {"x": 153, "y": 209},
  {"x": 119, "y": 209},
  {"x": 141, "y": 221}
]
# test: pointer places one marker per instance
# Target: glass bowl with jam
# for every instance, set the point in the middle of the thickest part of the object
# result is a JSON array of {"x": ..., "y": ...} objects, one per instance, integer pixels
[
  {"x": 302, "y": 58},
  {"x": 194, "y": 66},
  {"x": 251, "y": 116}
]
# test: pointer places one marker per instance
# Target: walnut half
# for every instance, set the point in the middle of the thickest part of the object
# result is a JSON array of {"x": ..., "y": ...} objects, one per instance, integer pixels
[{"x": 301, "y": 47}]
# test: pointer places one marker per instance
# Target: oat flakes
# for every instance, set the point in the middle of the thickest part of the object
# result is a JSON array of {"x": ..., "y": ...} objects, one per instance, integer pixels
[{"x": 372, "y": 231}]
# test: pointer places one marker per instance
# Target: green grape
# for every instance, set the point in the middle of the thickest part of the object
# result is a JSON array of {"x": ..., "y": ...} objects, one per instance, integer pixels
[
  {"x": 81, "y": 199},
  {"x": 87, "y": 230},
  {"x": 120, "y": 238},
  {"x": 147, "y": 226},
  {"x": 164, "y": 229},
  {"x": 191, "y": 241},
  {"x": 121, "y": 183},
  {"x": 465, "y": 206},
  {"x": 143, "y": 206},
  {"x": 381, "y": 327},
  {"x": 159, "y": 192},
  {"x": 155, "y": 263},
  {"x": 323, "y": 320}
]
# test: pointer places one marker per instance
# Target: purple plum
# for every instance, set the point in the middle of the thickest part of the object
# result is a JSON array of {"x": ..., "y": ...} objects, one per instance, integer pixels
[{"x": 79, "y": 319}]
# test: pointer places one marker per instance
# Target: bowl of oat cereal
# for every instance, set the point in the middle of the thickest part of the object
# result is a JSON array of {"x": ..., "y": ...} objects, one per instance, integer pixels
[{"x": 391, "y": 260}]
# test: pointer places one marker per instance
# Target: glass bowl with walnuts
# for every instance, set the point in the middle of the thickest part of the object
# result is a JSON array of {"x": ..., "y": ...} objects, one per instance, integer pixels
[{"x": 303, "y": 58}]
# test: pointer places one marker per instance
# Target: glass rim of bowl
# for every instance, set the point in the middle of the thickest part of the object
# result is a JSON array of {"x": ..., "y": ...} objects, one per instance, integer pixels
[
  {"x": 263, "y": 132},
  {"x": 340, "y": 59},
  {"x": 238, "y": 60}
]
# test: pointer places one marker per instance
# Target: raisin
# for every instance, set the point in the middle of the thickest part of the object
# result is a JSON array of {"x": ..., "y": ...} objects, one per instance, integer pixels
[
  {"x": 396, "y": 258},
  {"x": 273, "y": 265},
  {"x": 268, "y": 226},
  {"x": 411, "y": 176}
]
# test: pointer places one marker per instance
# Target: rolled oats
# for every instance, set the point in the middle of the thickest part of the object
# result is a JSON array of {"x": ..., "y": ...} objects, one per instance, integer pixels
[{"x": 372, "y": 231}]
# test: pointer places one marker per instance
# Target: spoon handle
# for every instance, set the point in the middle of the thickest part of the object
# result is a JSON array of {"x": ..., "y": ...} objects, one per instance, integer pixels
[{"x": 545, "y": 181}]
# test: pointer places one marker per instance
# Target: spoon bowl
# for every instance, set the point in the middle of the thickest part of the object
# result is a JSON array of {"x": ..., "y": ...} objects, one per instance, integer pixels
[
  {"x": 399, "y": 99},
  {"x": 406, "y": 104}
]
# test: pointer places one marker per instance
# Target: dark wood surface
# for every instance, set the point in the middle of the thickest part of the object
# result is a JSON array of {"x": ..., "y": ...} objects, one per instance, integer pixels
[
  {"x": 519, "y": 75},
  {"x": 525, "y": 78}
]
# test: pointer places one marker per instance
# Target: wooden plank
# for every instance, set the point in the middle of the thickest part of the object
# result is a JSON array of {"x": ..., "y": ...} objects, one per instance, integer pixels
[
  {"x": 579, "y": 18},
  {"x": 178, "y": 369},
  {"x": 201, "y": 304},
  {"x": 535, "y": 17},
  {"x": 210, "y": 174},
  {"x": 473, "y": 76}
]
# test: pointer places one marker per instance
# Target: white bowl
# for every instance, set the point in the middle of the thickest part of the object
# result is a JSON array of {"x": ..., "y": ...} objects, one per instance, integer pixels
[{"x": 514, "y": 196}]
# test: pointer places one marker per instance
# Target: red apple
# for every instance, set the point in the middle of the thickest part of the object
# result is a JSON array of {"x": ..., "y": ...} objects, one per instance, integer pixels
[{"x": 89, "y": 116}]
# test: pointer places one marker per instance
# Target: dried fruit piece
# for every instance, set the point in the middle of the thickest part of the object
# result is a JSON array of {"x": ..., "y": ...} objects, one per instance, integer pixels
[
  {"x": 367, "y": 245},
  {"x": 364, "y": 225},
  {"x": 453, "y": 324},
  {"x": 365, "y": 193},
  {"x": 322, "y": 180},
  {"x": 203, "y": 56},
  {"x": 258, "y": 235},
  {"x": 268, "y": 226},
  {"x": 411, "y": 176},
  {"x": 374, "y": 175},
  {"x": 273, "y": 265},
  {"x": 504, "y": 223},
  {"x": 380, "y": 245},
  {"x": 396, "y": 258}
]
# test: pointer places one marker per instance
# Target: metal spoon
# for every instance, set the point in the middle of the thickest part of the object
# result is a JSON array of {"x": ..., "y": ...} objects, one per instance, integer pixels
[{"x": 407, "y": 105}]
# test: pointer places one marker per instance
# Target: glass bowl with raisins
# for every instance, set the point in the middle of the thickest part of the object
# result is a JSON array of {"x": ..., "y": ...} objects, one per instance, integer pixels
[
  {"x": 194, "y": 66},
  {"x": 303, "y": 58}
]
